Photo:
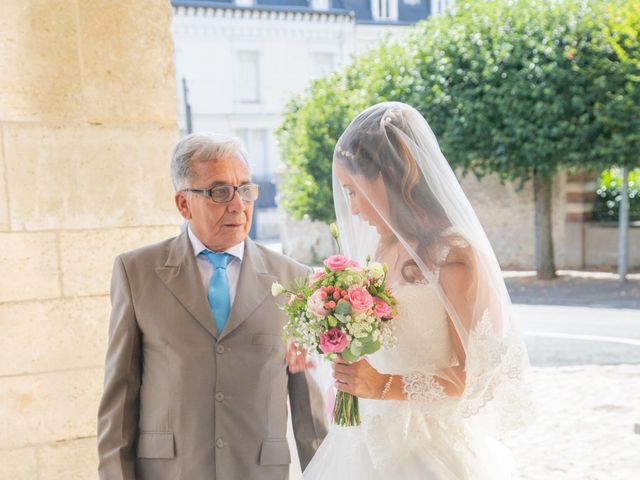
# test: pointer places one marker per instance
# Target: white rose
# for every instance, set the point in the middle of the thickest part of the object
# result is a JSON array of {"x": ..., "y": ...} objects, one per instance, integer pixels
[
  {"x": 376, "y": 270},
  {"x": 277, "y": 289}
]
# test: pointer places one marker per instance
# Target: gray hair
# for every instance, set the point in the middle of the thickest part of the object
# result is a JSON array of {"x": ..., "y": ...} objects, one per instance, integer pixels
[{"x": 200, "y": 147}]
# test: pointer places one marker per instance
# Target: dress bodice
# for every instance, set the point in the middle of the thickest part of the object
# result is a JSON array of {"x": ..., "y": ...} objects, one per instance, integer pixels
[
  {"x": 422, "y": 332},
  {"x": 396, "y": 435}
]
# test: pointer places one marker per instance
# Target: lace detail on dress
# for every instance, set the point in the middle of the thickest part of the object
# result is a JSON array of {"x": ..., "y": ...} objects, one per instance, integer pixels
[
  {"x": 420, "y": 387},
  {"x": 495, "y": 369}
]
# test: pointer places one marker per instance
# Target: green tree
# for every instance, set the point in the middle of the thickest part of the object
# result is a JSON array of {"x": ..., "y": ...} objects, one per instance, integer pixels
[
  {"x": 617, "y": 107},
  {"x": 521, "y": 88},
  {"x": 314, "y": 121}
]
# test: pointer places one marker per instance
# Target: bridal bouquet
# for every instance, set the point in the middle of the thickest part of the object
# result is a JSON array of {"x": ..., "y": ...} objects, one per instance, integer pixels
[{"x": 344, "y": 310}]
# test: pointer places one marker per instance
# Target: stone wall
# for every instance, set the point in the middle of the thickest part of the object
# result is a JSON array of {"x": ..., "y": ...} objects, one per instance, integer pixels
[
  {"x": 507, "y": 215},
  {"x": 87, "y": 122}
]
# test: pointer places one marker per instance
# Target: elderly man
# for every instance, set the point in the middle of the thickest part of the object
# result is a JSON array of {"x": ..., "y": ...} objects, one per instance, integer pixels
[{"x": 196, "y": 382}]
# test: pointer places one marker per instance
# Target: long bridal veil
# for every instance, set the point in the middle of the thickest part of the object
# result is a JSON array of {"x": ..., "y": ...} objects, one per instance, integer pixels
[{"x": 395, "y": 192}]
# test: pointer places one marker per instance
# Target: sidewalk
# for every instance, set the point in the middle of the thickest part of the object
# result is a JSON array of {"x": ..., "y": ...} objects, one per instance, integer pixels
[{"x": 576, "y": 288}]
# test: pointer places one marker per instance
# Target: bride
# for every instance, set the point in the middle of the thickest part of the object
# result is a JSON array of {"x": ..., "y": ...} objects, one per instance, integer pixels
[{"x": 429, "y": 406}]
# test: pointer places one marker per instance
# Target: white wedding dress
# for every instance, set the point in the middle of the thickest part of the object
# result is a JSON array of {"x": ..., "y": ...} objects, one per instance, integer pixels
[{"x": 408, "y": 439}]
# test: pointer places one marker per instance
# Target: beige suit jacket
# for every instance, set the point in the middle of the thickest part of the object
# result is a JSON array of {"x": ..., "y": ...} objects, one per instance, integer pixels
[{"x": 183, "y": 401}]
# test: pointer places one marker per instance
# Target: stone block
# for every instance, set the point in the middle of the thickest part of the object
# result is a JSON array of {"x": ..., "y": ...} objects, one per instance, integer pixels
[
  {"x": 72, "y": 460},
  {"x": 87, "y": 256},
  {"x": 506, "y": 214},
  {"x": 601, "y": 245},
  {"x": 128, "y": 74},
  {"x": 4, "y": 199},
  {"x": 79, "y": 177},
  {"x": 19, "y": 464},
  {"x": 574, "y": 257},
  {"x": 29, "y": 266},
  {"x": 50, "y": 407},
  {"x": 53, "y": 335},
  {"x": 40, "y": 61}
]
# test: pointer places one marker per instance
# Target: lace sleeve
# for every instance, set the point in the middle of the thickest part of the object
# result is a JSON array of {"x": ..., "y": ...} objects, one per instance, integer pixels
[
  {"x": 494, "y": 373},
  {"x": 418, "y": 386}
]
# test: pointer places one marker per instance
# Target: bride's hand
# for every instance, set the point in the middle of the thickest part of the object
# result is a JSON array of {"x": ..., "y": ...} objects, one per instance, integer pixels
[
  {"x": 358, "y": 378},
  {"x": 297, "y": 358}
]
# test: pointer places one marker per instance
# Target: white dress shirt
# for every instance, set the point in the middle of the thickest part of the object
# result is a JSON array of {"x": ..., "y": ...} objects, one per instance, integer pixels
[{"x": 234, "y": 263}]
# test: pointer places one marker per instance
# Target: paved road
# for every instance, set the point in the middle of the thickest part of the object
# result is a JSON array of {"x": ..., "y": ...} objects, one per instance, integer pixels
[
  {"x": 564, "y": 336},
  {"x": 575, "y": 288}
]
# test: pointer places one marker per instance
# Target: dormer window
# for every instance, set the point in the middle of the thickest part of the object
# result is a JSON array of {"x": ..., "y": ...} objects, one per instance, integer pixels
[
  {"x": 320, "y": 4},
  {"x": 384, "y": 9}
]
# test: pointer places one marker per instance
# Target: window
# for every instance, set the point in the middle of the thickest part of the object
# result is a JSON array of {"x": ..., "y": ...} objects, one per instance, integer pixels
[
  {"x": 320, "y": 4},
  {"x": 384, "y": 9},
  {"x": 255, "y": 141},
  {"x": 248, "y": 77},
  {"x": 440, "y": 6},
  {"x": 244, "y": 3}
]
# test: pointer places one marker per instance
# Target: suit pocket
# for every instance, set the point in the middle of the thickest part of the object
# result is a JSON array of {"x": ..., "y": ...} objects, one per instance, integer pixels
[
  {"x": 267, "y": 340},
  {"x": 275, "y": 452},
  {"x": 156, "y": 445}
]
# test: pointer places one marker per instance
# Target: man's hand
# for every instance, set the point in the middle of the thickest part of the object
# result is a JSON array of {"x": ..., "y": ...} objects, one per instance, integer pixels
[{"x": 297, "y": 358}]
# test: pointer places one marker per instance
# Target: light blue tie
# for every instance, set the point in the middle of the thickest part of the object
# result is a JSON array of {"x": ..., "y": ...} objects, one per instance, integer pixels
[{"x": 218, "y": 293}]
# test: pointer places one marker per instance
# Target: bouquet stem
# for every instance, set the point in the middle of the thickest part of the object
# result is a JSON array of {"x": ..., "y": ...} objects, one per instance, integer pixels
[{"x": 346, "y": 410}]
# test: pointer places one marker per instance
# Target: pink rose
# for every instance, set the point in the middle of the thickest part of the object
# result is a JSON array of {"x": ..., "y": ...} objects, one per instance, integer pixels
[
  {"x": 315, "y": 304},
  {"x": 333, "y": 340},
  {"x": 359, "y": 298},
  {"x": 316, "y": 277},
  {"x": 339, "y": 262},
  {"x": 381, "y": 309}
]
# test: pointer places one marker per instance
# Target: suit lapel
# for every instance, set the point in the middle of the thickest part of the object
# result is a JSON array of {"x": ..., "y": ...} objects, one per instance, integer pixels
[
  {"x": 254, "y": 285},
  {"x": 181, "y": 275}
]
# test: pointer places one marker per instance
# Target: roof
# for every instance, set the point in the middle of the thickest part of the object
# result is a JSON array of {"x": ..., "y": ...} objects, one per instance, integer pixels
[{"x": 409, "y": 11}]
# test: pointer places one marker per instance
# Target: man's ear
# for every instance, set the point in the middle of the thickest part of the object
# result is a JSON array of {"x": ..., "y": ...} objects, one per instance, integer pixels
[{"x": 183, "y": 205}]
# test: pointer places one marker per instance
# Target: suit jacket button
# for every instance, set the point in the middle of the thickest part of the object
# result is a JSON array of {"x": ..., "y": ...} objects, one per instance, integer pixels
[
  {"x": 219, "y": 443},
  {"x": 219, "y": 396},
  {"x": 220, "y": 349}
]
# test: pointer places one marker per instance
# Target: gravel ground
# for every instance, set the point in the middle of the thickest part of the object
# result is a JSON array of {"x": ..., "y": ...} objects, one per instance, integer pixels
[{"x": 587, "y": 425}]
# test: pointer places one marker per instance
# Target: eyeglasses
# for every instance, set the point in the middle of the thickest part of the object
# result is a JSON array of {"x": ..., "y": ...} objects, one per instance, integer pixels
[{"x": 224, "y": 193}]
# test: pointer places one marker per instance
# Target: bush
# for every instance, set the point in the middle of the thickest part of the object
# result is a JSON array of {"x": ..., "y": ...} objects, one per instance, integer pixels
[
  {"x": 521, "y": 88},
  {"x": 607, "y": 204}
]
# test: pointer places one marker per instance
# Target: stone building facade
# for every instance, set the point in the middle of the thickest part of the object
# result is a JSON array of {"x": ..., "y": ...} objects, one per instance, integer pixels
[{"x": 87, "y": 122}]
